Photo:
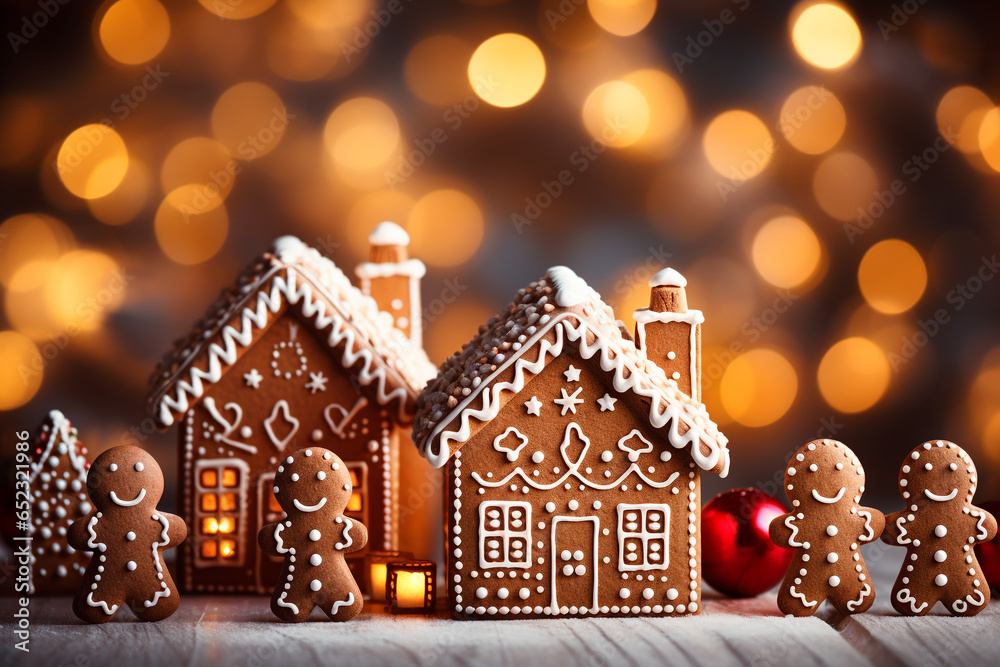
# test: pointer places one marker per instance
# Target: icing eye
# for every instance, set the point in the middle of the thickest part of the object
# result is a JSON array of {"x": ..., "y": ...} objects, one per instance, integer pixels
[
  {"x": 321, "y": 475},
  {"x": 928, "y": 466},
  {"x": 113, "y": 467},
  {"x": 295, "y": 476},
  {"x": 813, "y": 468},
  {"x": 138, "y": 466},
  {"x": 953, "y": 466}
]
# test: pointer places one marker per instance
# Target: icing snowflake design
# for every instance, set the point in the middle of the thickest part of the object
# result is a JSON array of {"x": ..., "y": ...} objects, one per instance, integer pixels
[
  {"x": 572, "y": 374},
  {"x": 534, "y": 406},
  {"x": 253, "y": 378},
  {"x": 317, "y": 382},
  {"x": 568, "y": 401},
  {"x": 607, "y": 403}
]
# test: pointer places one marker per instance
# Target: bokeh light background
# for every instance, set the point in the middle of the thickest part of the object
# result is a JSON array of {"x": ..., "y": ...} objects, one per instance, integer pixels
[{"x": 825, "y": 175}]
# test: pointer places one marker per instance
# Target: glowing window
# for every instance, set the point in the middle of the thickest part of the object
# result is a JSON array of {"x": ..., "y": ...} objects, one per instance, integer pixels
[
  {"x": 227, "y": 502},
  {"x": 227, "y": 548},
  {"x": 209, "y": 549},
  {"x": 209, "y": 478},
  {"x": 209, "y": 502},
  {"x": 230, "y": 478}
]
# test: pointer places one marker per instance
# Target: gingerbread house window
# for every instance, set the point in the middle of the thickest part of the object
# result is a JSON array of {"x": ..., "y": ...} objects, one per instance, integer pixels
[
  {"x": 643, "y": 537},
  {"x": 220, "y": 515},
  {"x": 357, "y": 506},
  {"x": 504, "y": 534}
]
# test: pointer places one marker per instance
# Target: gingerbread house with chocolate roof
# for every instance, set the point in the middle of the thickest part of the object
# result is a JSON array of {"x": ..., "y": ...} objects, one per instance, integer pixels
[
  {"x": 573, "y": 460},
  {"x": 292, "y": 355}
]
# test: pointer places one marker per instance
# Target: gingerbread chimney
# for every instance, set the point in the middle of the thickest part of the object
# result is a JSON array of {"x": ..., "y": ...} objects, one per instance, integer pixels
[
  {"x": 670, "y": 333},
  {"x": 392, "y": 279}
]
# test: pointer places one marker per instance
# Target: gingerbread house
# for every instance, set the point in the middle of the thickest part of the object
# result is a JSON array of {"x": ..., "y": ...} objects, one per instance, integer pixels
[
  {"x": 58, "y": 487},
  {"x": 572, "y": 458},
  {"x": 292, "y": 355}
]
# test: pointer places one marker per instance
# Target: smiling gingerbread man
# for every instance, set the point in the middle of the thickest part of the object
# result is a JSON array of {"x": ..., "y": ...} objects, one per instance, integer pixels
[
  {"x": 313, "y": 487},
  {"x": 126, "y": 534},
  {"x": 824, "y": 481},
  {"x": 939, "y": 528}
]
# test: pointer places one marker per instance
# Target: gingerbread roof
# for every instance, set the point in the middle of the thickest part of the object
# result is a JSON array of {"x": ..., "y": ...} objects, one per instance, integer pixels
[
  {"x": 363, "y": 338},
  {"x": 57, "y": 439},
  {"x": 468, "y": 391}
]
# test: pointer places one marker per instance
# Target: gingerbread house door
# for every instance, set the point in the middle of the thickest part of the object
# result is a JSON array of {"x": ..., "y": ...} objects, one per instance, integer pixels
[{"x": 574, "y": 563}]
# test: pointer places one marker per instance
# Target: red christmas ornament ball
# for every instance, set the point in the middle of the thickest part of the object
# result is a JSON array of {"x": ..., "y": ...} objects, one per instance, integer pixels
[
  {"x": 738, "y": 557},
  {"x": 988, "y": 553}
]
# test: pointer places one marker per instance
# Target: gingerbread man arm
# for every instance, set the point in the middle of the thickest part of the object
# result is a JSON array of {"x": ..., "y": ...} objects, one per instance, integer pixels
[
  {"x": 77, "y": 533},
  {"x": 176, "y": 530},
  {"x": 267, "y": 541},
  {"x": 986, "y": 525},
  {"x": 892, "y": 532},
  {"x": 874, "y": 524},
  {"x": 781, "y": 533},
  {"x": 356, "y": 538}
]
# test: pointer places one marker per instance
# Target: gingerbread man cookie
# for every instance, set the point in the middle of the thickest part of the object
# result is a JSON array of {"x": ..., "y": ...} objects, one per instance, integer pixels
[
  {"x": 126, "y": 534},
  {"x": 939, "y": 528},
  {"x": 313, "y": 487},
  {"x": 824, "y": 482}
]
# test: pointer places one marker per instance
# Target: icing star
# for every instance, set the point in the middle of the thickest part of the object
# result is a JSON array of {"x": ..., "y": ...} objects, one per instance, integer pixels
[
  {"x": 568, "y": 401},
  {"x": 572, "y": 374},
  {"x": 607, "y": 403},
  {"x": 253, "y": 378},
  {"x": 317, "y": 382},
  {"x": 534, "y": 406}
]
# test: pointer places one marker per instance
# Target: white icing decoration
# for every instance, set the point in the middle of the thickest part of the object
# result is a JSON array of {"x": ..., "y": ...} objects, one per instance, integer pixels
[
  {"x": 388, "y": 233},
  {"x": 92, "y": 542},
  {"x": 568, "y": 402},
  {"x": 498, "y": 524},
  {"x": 805, "y": 601},
  {"x": 940, "y": 499},
  {"x": 633, "y": 452},
  {"x": 348, "y": 540},
  {"x": 511, "y": 452},
  {"x": 283, "y": 603},
  {"x": 573, "y": 470},
  {"x": 534, "y": 406},
  {"x": 228, "y": 427},
  {"x": 607, "y": 403},
  {"x": 668, "y": 278},
  {"x": 253, "y": 378},
  {"x": 572, "y": 374},
  {"x": 308, "y": 508},
  {"x": 692, "y": 318},
  {"x": 831, "y": 500},
  {"x": 338, "y": 427},
  {"x": 344, "y": 603},
  {"x": 100, "y": 603},
  {"x": 902, "y": 539},
  {"x": 866, "y": 590},
  {"x": 128, "y": 503},
  {"x": 553, "y": 603},
  {"x": 869, "y": 533},
  {"x": 163, "y": 541},
  {"x": 795, "y": 531},
  {"x": 980, "y": 525},
  {"x": 280, "y": 548},
  {"x": 317, "y": 382},
  {"x": 903, "y": 596},
  {"x": 662, "y": 411},
  {"x": 639, "y": 528},
  {"x": 281, "y": 406}
]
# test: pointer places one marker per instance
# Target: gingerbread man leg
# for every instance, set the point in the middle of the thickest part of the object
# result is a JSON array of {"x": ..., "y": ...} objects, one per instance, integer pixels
[
  {"x": 854, "y": 597},
  {"x": 966, "y": 598},
  {"x": 907, "y": 599},
  {"x": 792, "y": 599},
  {"x": 345, "y": 603},
  {"x": 155, "y": 605}
]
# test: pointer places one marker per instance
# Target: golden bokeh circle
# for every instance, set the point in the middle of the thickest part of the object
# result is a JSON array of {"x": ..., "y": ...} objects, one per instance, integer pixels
[
  {"x": 786, "y": 252},
  {"x": 844, "y": 185},
  {"x": 617, "y": 113},
  {"x": 892, "y": 276},
  {"x": 21, "y": 369},
  {"x": 669, "y": 116},
  {"x": 92, "y": 161},
  {"x": 737, "y": 144},
  {"x": 758, "y": 387},
  {"x": 825, "y": 34},
  {"x": 236, "y": 9},
  {"x": 622, "y": 17},
  {"x": 249, "y": 119},
  {"x": 959, "y": 115},
  {"x": 30, "y": 237},
  {"x": 853, "y": 374},
  {"x": 362, "y": 134},
  {"x": 507, "y": 70},
  {"x": 125, "y": 202},
  {"x": 134, "y": 31},
  {"x": 83, "y": 288},
  {"x": 446, "y": 227},
  {"x": 190, "y": 237},
  {"x": 198, "y": 173},
  {"x": 435, "y": 69},
  {"x": 813, "y": 119}
]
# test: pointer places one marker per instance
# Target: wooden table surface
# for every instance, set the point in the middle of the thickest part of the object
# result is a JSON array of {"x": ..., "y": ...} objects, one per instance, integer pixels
[{"x": 240, "y": 631}]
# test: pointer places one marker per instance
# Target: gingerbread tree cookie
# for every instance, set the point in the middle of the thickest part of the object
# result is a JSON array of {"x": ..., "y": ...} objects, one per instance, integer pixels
[
  {"x": 939, "y": 527},
  {"x": 824, "y": 482},
  {"x": 58, "y": 497},
  {"x": 313, "y": 487},
  {"x": 126, "y": 534}
]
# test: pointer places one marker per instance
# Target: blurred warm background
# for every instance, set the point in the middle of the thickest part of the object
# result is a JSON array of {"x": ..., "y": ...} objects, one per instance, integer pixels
[{"x": 824, "y": 175}]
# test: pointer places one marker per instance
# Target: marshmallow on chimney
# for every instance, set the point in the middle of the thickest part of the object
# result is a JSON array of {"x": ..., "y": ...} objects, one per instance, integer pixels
[
  {"x": 392, "y": 279},
  {"x": 669, "y": 333}
]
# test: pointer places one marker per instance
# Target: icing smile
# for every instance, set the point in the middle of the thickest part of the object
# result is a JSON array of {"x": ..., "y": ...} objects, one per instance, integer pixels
[
  {"x": 828, "y": 501},
  {"x": 308, "y": 508},
  {"x": 940, "y": 499},
  {"x": 128, "y": 503}
]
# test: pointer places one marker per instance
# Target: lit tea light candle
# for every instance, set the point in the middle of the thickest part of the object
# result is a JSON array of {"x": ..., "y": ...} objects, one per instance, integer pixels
[
  {"x": 409, "y": 587},
  {"x": 377, "y": 562}
]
